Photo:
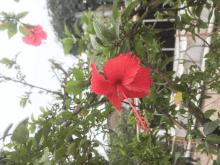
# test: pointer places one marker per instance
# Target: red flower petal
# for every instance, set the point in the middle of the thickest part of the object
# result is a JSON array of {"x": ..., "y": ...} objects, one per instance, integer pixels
[
  {"x": 99, "y": 84},
  {"x": 113, "y": 97},
  {"x": 36, "y": 38},
  {"x": 122, "y": 69},
  {"x": 141, "y": 82}
]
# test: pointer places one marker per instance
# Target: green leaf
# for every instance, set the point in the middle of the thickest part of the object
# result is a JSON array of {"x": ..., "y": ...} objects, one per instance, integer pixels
[
  {"x": 67, "y": 32},
  {"x": 121, "y": 162},
  {"x": 207, "y": 147},
  {"x": 81, "y": 46},
  {"x": 74, "y": 87},
  {"x": 125, "y": 47},
  {"x": 103, "y": 29},
  {"x": 29, "y": 26},
  {"x": 128, "y": 9},
  {"x": 23, "y": 102},
  {"x": 29, "y": 146},
  {"x": 46, "y": 129},
  {"x": 165, "y": 62},
  {"x": 21, "y": 135},
  {"x": 78, "y": 74},
  {"x": 59, "y": 153},
  {"x": 67, "y": 103},
  {"x": 209, "y": 127},
  {"x": 24, "y": 121},
  {"x": 218, "y": 158},
  {"x": 209, "y": 113},
  {"x": 203, "y": 25},
  {"x": 71, "y": 149},
  {"x": 12, "y": 29},
  {"x": 77, "y": 30},
  {"x": 68, "y": 43},
  {"x": 213, "y": 138},
  {"x": 178, "y": 87},
  {"x": 23, "y": 31},
  {"x": 116, "y": 24},
  {"x": 67, "y": 115},
  {"x": 16, "y": 0},
  {"x": 94, "y": 43},
  {"x": 97, "y": 57},
  {"x": 115, "y": 12},
  {"x": 3, "y": 27},
  {"x": 6, "y": 131},
  {"x": 45, "y": 156},
  {"x": 36, "y": 162},
  {"x": 200, "y": 146},
  {"x": 80, "y": 160},
  {"x": 153, "y": 94},
  {"x": 38, "y": 136},
  {"x": 21, "y": 15}
]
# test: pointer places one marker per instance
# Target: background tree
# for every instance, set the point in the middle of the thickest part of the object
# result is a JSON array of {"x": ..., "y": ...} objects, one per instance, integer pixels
[{"x": 64, "y": 12}]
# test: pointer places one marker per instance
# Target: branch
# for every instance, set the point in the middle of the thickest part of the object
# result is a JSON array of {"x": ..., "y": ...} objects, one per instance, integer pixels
[
  {"x": 32, "y": 86},
  {"x": 155, "y": 70}
]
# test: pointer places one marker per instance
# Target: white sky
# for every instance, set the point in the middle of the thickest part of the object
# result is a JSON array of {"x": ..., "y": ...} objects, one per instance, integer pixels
[{"x": 33, "y": 61}]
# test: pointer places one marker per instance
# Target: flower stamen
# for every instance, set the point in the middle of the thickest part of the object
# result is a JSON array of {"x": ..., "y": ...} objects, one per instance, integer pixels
[{"x": 143, "y": 124}]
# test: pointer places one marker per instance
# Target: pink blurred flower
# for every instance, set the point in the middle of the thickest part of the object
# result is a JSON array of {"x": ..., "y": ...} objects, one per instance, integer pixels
[{"x": 36, "y": 36}]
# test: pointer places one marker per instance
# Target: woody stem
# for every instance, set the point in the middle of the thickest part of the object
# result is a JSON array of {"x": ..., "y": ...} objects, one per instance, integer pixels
[{"x": 136, "y": 112}]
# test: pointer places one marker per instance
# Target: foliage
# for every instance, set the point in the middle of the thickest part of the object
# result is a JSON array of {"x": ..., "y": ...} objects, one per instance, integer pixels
[
  {"x": 64, "y": 12},
  {"x": 65, "y": 133}
]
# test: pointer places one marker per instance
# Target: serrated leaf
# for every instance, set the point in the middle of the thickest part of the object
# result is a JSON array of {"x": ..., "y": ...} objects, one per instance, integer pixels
[
  {"x": 128, "y": 9},
  {"x": 178, "y": 98},
  {"x": 165, "y": 62},
  {"x": 78, "y": 74},
  {"x": 74, "y": 87},
  {"x": 103, "y": 29},
  {"x": 67, "y": 32},
  {"x": 68, "y": 43},
  {"x": 94, "y": 43},
  {"x": 209, "y": 113},
  {"x": 21, "y": 135},
  {"x": 116, "y": 24},
  {"x": 6, "y": 131},
  {"x": 21, "y": 15},
  {"x": 77, "y": 30},
  {"x": 97, "y": 57},
  {"x": 24, "y": 121},
  {"x": 115, "y": 12}
]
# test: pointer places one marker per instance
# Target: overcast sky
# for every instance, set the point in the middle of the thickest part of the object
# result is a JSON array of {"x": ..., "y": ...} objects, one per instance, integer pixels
[{"x": 33, "y": 61}]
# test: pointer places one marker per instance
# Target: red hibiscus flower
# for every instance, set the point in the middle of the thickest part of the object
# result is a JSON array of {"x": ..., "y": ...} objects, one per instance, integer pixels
[
  {"x": 125, "y": 78},
  {"x": 36, "y": 36}
]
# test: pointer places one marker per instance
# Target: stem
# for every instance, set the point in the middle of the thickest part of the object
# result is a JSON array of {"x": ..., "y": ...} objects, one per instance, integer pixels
[{"x": 136, "y": 112}]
